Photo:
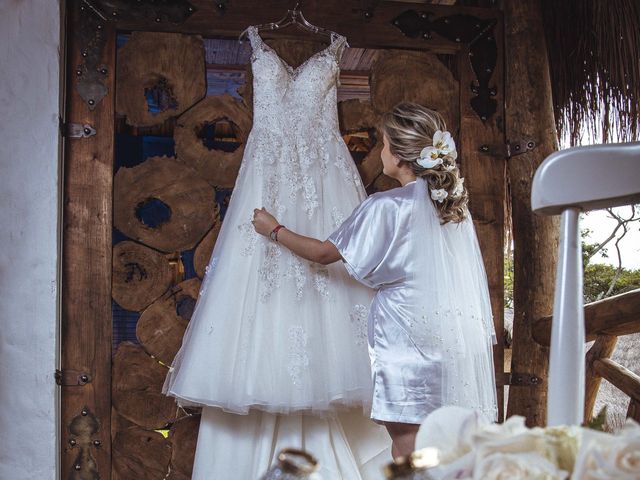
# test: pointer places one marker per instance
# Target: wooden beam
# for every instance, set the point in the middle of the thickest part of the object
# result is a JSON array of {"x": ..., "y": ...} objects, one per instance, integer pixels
[
  {"x": 529, "y": 116},
  {"x": 602, "y": 348},
  {"x": 621, "y": 377},
  {"x": 617, "y": 315},
  {"x": 86, "y": 328},
  {"x": 486, "y": 181},
  {"x": 347, "y": 18}
]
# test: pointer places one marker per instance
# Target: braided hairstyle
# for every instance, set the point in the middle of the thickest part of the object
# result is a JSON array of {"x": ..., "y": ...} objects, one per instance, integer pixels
[{"x": 410, "y": 128}]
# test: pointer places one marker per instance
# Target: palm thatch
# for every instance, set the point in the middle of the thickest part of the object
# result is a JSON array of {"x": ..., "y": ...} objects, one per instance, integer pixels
[{"x": 594, "y": 56}]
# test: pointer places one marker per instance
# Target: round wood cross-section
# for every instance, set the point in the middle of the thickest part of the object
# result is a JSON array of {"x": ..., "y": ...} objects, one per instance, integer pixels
[
  {"x": 136, "y": 388},
  {"x": 216, "y": 161},
  {"x": 183, "y": 436},
  {"x": 357, "y": 116},
  {"x": 163, "y": 204},
  {"x": 161, "y": 326},
  {"x": 204, "y": 249},
  {"x": 140, "y": 275},
  {"x": 159, "y": 75},
  {"x": 140, "y": 454},
  {"x": 419, "y": 77}
]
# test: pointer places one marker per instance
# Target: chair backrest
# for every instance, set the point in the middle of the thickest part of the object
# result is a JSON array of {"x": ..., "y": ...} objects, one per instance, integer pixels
[{"x": 566, "y": 183}]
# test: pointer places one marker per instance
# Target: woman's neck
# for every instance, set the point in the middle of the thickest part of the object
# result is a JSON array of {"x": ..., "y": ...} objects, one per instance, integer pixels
[{"x": 405, "y": 177}]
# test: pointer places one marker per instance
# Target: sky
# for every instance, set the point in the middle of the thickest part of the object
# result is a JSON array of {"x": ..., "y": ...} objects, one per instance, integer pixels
[{"x": 601, "y": 226}]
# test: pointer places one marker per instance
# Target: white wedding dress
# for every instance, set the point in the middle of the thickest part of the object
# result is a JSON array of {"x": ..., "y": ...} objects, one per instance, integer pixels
[{"x": 276, "y": 349}]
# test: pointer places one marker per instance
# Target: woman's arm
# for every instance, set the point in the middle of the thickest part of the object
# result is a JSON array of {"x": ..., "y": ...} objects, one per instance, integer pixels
[{"x": 306, "y": 247}]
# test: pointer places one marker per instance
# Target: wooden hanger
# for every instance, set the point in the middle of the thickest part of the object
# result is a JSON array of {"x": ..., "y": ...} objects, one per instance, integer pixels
[{"x": 292, "y": 17}]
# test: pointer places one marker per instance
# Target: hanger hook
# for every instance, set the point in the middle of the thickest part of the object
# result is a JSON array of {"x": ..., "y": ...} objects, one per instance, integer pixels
[{"x": 296, "y": 9}]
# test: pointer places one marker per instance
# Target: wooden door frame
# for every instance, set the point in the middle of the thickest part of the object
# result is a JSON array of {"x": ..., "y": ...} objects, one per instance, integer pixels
[{"x": 86, "y": 330}]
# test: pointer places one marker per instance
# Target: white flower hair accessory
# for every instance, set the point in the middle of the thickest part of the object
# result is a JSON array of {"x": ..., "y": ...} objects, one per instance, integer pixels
[
  {"x": 459, "y": 188},
  {"x": 439, "y": 194},
  {"x": 443, "y": 147}
]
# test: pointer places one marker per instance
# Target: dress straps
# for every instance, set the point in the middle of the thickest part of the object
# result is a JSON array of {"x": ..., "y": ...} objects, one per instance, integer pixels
[{"x": 254, "y": 37}]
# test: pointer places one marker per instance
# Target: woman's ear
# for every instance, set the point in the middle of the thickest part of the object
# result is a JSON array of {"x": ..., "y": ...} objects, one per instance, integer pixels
[{"x": 396, "y": 160}]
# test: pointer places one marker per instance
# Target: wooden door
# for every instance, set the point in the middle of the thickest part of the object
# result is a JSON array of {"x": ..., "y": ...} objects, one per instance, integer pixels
[{"x": 135, "y": 249}]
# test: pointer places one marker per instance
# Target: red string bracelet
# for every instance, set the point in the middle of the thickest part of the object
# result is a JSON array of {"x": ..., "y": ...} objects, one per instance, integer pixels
[{"x": 274, "y": 233}]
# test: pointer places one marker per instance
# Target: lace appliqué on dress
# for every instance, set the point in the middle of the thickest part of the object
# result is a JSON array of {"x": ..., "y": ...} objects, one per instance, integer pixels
[{"x": 298, "y": 357}]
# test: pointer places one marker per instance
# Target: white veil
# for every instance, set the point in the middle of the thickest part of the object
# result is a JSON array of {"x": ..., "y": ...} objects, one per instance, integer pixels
[{"x": 452, "y": 319}]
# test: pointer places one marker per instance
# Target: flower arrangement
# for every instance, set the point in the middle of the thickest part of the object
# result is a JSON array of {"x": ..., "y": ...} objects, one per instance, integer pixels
[
  {"x": 443, "y": 153},
  {"x": 470, "y": 447}
]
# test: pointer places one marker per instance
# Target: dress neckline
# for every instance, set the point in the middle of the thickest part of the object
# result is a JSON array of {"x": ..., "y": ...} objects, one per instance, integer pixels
[{"x": 294, "y": 70}]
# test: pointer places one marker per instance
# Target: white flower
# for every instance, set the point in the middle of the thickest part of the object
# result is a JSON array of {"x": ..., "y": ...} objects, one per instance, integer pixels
[
  {"x": 444, "y": 143},
  {"x": 429, "y": 157},
  {"x": 459, "y": 188},
  {"x": 508, "y": 466},
  {"x": 439, "y": 195},
  {"x": 605, "y": 456}
]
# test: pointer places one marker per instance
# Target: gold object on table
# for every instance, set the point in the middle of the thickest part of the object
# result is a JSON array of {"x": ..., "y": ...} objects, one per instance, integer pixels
[{"x": 413, "y": 466}]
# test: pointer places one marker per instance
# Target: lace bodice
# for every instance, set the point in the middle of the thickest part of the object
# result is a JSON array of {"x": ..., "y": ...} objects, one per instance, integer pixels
[{"x": 295, "y": 99}]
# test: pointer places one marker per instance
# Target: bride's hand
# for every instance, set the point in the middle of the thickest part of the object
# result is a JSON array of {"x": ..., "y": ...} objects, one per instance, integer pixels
[{"x": 263, "y": 221}]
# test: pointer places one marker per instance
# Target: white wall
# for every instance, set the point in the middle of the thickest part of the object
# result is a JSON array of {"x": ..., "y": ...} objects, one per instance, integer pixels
[{"x": 29, "y": 108}]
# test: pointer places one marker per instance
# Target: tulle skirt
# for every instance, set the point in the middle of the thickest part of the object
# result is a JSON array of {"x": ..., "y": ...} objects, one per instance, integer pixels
[
  {"x": 270, "y": 330},
  {"x": 347, "y": 445}
]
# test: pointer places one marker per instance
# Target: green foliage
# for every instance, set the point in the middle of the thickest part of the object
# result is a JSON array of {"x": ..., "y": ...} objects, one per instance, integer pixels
[
  {"x": 598, "y": 278},
  {"x": 508, "y": 281},
  {"x": 599, "y": 421}
]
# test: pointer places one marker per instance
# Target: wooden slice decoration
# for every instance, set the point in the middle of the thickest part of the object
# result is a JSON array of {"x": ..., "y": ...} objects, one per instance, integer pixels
[
  {"x": 163, "y": 204},
  {"x": 136, "y": 388},
  {"x": 204, "y": 249},
  {"x": 183, "y": 437},
  {"x": 161, "y": 326},
  {"x": 358, "y": 116},
  {"x": 419, "y": 77},
  {"x": 119, "y": 423},
  {"x": 159, "y": 75},
  {"x": 201, "y": 134},
  {"x": 140, "y": 275},
  {"x": 140, "y": 454}
]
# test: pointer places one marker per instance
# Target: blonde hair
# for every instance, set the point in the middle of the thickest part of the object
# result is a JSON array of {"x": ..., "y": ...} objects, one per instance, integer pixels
[{"x": 409, "y": 128}]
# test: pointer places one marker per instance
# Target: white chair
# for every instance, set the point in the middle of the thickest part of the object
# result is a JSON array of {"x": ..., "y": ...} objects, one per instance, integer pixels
[{"x": 566, "y": 183}]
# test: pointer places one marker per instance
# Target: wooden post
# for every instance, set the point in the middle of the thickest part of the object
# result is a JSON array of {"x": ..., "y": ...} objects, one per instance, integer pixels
[
  {"x": 529, "y": 115},
  {"x": 86, "y": 263},
  {"x": 602, "y": 348}
]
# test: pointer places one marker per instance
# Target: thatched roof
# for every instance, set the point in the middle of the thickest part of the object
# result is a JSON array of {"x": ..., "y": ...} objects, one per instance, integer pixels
[{"x": 594, "y": 56}]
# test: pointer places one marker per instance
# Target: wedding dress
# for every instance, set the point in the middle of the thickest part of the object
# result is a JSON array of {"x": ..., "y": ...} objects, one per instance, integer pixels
[{"x": 276, "y": 349}]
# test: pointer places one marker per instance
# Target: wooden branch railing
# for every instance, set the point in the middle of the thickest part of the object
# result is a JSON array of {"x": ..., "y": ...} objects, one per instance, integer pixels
[{"x": 605, "y": 321}]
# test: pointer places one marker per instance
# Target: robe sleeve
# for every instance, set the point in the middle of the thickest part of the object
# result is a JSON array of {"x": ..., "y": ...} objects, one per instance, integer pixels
[{"x": 362, "y": 239}]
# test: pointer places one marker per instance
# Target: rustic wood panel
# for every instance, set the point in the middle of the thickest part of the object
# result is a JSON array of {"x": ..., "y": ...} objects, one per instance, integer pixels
[
  {"x": 529, "y": 115},
  {"x": 189, "y": 200},
  {"x": 140, "y": 454},
  {"x": 602, "y": 348},
  {"x": 137, "y": 388},
  {"x": 217, "y": 167},
  {"x": 617, "y": 315},
  {"x": 86, "y": 266},
  {"x": 183, "y": 436},
  {"x": 151, "y": 57},
  {"x": 162, "y": 325},
  {"x": 348, "y": 19},
  {"x": 485, "y": 180},
  {"x": 140, "y": 275}
]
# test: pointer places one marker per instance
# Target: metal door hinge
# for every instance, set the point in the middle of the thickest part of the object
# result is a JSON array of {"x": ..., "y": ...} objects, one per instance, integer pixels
[
  {"x": 77, "y": 130},
  {"x": 72, "y": 378},
  {"x": 509, "y": 149},
  {"x": 521, "y": 379}
]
